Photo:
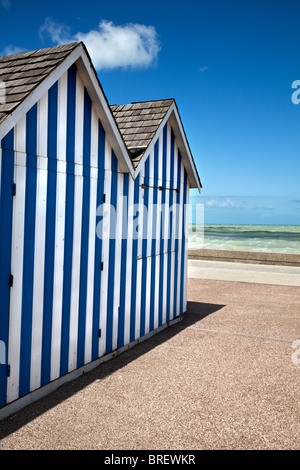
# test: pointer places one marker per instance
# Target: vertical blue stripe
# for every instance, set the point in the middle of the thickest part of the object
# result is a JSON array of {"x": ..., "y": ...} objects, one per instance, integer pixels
[
  {"x": 29, "y": 242},
  {"x": 121, "y": 319},
  {"x": 183, "y": 244},
  {"x": 153, "y": 285},
  {"x": 98, "y": 246},
  {"x": 144, "y": 255},
  {"x": 155, "y": 197},
  {"x": 87, "y": 117},
  {"x": 171, "y": 216},
  {"x": 112, "y": 248},
  {"x": 144, "y": 251},
  {"x": 50, "y": 234},
  {"x": 6, "y": 207},
  {"x": 146, "y": 205},
  {"x": 162, "y": 234},
  {"x": 134, "y": 261},
  {"x": 176, "y": 270},
  {"x": 69, "y": 220}
]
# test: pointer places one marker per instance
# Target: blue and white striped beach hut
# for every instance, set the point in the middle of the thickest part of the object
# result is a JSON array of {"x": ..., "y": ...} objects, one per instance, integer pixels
[{"x": 93, "y": 214}]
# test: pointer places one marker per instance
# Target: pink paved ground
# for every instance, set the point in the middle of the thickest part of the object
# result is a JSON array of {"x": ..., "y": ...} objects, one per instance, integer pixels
[{"x": 224, "y": 378}]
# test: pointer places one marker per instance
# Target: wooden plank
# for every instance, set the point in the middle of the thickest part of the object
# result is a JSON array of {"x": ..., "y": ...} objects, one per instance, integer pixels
[
  {"x": 15, "y": 97},
  {"x": 16, "y": 89},
  {"x": 42, "y": 73},
  {"x": 7, "y": 107},
  {"x": 19, "y": 82}
]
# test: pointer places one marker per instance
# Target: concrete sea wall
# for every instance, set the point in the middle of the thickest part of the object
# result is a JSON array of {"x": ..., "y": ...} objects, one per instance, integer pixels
[{"x": 257, "y": 257}]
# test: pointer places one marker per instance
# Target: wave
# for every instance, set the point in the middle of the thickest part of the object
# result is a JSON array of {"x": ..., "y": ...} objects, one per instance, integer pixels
[{"x": 246, "y": 237}]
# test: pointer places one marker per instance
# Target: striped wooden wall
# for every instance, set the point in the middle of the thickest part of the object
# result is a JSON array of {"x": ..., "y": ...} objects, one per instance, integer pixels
[{"x": 88, "y": 277}]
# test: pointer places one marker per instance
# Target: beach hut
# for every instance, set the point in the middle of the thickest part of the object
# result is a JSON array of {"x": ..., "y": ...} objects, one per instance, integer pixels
[{"x": 93, "y": 214}]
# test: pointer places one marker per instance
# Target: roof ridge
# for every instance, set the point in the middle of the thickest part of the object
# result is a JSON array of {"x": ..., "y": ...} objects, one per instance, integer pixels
[
  {"x": 144, "y": 101},
  {"x": 138, "y": 122},
  {"x": 24, "y": 66},
  {"x": 153, "y": 101},
  {"x": 28, "y": 54}
]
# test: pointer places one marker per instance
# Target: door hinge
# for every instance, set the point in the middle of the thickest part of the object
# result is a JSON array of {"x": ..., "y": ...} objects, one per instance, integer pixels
[
  {"x": 14, "y": 189},
  {"x": 104, "y": 198},
  {"x": 11, "y": 280},
  {"x": 101, "y": 265},
  {"x": 100, "y": 333},
  {"x": 8, "y": 371}
]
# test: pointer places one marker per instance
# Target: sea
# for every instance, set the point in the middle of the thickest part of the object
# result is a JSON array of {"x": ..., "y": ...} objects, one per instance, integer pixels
[{"x": 267, "y": 238}]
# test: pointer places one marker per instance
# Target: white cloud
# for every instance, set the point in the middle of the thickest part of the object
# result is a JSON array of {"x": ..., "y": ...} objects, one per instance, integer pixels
[
  {"x": 203, "y": 69},
  {"x": 228, "y": 203},
  {"x": 111, "y": 46},
  {"x": 59, "y": 33},
  {"x": 10, "y": 50},
  {"x": 6, "y": 4}
]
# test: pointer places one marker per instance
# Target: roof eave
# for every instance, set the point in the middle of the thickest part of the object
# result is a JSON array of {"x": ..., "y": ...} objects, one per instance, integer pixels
[
  {"x": 176, "y": 124},
  {"x": 183, "y": 145},
  {"x": 12, "y": 119},
  {"x": 81, "y": 58},
  {"x": 94, "y": 88}
]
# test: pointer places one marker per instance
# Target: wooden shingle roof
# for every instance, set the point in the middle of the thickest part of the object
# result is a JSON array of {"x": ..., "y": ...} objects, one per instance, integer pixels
[
  {"x": 132, "y": 127},
  {"x": 22, "y": 73},
  {"x": 138, "y": 123}
]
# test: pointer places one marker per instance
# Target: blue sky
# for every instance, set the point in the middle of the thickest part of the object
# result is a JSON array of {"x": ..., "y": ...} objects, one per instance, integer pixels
[{"x": 230, "y": 65}]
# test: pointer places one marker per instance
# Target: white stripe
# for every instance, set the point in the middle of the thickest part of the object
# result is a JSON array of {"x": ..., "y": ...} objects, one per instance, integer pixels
[
  {"x": 172, "y": 274},
  {"x": 77, "y": 225},
  {"x": 94, "y": 138},
  {"x": 118, "y": 254},
  {"x": 17, "y": 263},
  {"x": 128, "y": 262},
  {"x": 139, "y": 261},
  {"x": 62, "y": 117},
  {"x": 186, "y": 222},
  {"x": 91, "y": 243},
  {"x": 149, "y": 242},
  {"x": 75, "y": 273},
  {"x": 174, "y": 212},
  {"x": 150, "y": 203},
  {"x": 79, "y": 120},
  {"x": 39, "y": 252},
  {"x": 158, "y": 230},
  {"x": 59, "y": 226},
  {"x": 58, "y": 272},
  {"x": 42, "y": 140},
  {"x": 105, "y": 249},
  {"x": 90, "y": 273},
  {"x": 175, "y": 185},
  {"x": 166, "y": 224},
  {"x": 180, "y": 237}
]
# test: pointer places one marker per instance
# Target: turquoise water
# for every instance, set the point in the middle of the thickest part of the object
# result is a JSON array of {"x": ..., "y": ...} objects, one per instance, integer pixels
[{"x": 270, "y": 238}]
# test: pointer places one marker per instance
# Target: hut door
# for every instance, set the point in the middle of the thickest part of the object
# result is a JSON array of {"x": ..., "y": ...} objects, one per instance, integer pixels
[{"x": 6, "y": 279}]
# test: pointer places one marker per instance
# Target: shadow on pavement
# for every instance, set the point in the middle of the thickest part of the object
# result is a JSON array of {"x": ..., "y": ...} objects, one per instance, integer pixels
[{"x": 196, "y": 311}]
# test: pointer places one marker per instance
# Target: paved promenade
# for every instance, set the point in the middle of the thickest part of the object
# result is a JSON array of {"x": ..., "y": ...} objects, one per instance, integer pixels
[
  {"x": 244, "y": 272},
  {"x": 226, "y": 377}
]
